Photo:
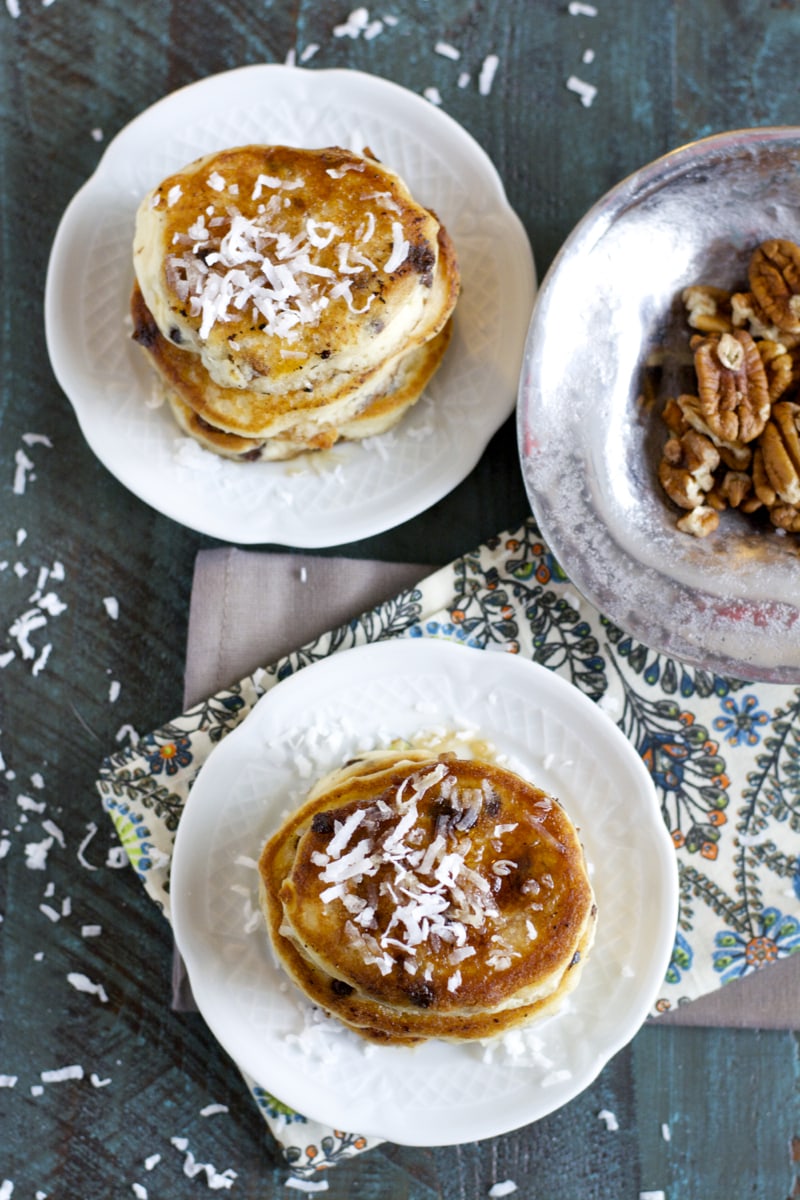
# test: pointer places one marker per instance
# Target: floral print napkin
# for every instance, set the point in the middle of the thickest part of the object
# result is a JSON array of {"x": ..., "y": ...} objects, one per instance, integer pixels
[{"x": 724, "y": 756}]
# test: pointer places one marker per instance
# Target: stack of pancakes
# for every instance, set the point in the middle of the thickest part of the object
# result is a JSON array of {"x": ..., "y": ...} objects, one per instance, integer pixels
[
  {"x": 288, "y": 298},
  {"x": 416, "y": 896}
]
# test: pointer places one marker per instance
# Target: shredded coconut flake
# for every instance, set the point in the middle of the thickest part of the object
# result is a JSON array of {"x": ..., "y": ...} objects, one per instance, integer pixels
[
  {"x": 586, "y": 91},
  {"x": 488, "y": 71},
  {"x": 62, "y": 1074},
  {"x": 22, "y": 628},
  {"x": 92, "y": 830},
  {"x": 339, "y": 172},
  {"x": 344, "y": 832},
  {"x": 41, "y": 661},
  {"x": 52, "y": 605},
  {"x": 23, "y": 468},
  {"x": 504, "y": 1188},
  {"x": 354, "y": 25},
  {"x": 127, "y": 731},
  {"x": 447, "y": 51},
  {"x": 400, "y": 248},
  {"x": 53, "y": 830},
  {"x": 215, "y": 1179},
  {"x": 610, "y": 1120},
  {"x": 29, "y": 805},
  {"x": 212, "y": 1110},
  {"x": 36, "y": 854},
  {"x": 82, "y": 983}
]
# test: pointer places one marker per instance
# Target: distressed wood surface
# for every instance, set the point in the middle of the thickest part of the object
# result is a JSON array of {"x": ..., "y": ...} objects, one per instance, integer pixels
[{"x": 700, "y": 1113}]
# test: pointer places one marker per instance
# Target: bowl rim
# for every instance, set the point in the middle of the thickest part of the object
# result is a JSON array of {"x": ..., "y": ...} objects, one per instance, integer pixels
[
  {"x": 658, "y": 170},
  {"x": 591, "y": 228}
]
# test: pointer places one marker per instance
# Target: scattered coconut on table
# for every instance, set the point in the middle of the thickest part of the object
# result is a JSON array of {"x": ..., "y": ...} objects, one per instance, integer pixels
[
  {"x": 586, "y": 91},
  {"x": 612, "y": 1125},
  {"x": 82, "y": 983}
]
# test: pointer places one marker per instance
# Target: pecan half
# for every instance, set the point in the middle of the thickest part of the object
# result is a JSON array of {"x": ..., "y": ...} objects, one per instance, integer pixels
[
  {"x": 745, "y": 314},
  {"x": 779, "y": 366},
  {"x": 785, "y": 516},
  {"x": 700, "y": 522},
  {"x": 761, "y": 484},
  {"x": 774, "y": 277},
  {"x": 735, "y": 455},
  {"x": 736, "y": 487},
  {"x": 673, "y": 417},
  {"x": 780, "y": 448},
  {"x": 732, "y": 385},
  {"x": 686, "y": 470},
  {"x": 734, "y": 490},
  {"x": 708, "y": 308}
]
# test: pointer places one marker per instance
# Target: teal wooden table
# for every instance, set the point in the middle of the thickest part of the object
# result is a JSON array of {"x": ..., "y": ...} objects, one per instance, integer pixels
[{"x": 95, "y": 1086}]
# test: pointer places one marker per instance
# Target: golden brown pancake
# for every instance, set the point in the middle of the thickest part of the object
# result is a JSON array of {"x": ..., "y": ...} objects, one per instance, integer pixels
[
  {"x": 245, "y": 425},
  {"x": 279, "y": 448},
  {"x": 414, "y": 896},
  {"x": 283, "y": 268}
]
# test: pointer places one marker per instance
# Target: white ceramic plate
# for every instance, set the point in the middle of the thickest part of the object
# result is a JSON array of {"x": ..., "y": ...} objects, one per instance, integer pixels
[
  {"x": 436, "y": 1093},
  {"x": 353, "y": 491}
]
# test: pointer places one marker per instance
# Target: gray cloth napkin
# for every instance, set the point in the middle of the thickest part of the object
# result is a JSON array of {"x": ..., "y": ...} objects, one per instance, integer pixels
[{"x": 248, "y": 609}]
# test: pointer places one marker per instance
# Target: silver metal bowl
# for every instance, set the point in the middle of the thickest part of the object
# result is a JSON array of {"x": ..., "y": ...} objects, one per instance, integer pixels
[{"x": 609, "y": 305}]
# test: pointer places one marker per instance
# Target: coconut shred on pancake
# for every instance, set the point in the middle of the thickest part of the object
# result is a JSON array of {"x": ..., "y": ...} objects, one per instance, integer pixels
[
  {"x": 416, "y": 896},
  {"x": 280, "y": 265}
]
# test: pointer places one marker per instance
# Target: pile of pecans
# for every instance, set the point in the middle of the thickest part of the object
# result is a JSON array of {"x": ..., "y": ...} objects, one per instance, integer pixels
[{"x": 735, "y": 443}]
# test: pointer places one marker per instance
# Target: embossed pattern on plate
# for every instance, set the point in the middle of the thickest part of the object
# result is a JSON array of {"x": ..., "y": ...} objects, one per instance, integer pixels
[
  {"x": 355, "y": 490},
  {"x": 436, "y": 1093}
]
